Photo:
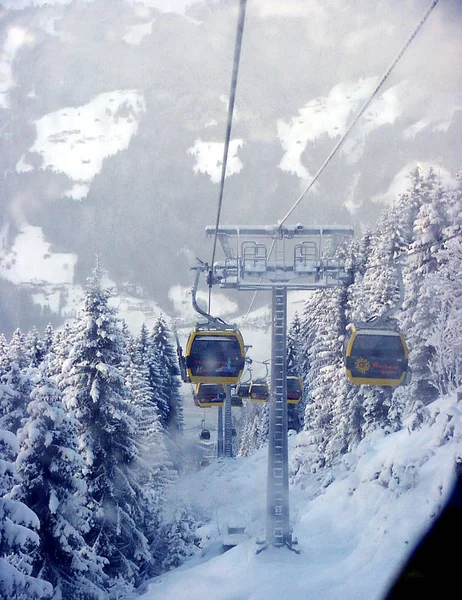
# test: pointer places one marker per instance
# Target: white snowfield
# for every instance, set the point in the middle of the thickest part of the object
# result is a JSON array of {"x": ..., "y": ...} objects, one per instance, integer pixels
[
  {"x": 50, "y": 275},
  {"x": 31, "y": 260},
  {"x": 331, "y": 115},
  {"x": 76, "y": 140},
  {"x": 209, "y": 158},
  {"x": 355, "y": 524}
]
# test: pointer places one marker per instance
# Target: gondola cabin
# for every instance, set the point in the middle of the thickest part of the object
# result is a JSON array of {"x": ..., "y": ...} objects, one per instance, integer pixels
[
  {"x": 209, "y": 394},
  {"x": 236, "y": 401},
  {"x": 215, "y": 356},
  {"x": 294, "y": 389},
  {"x": 258, "y": 391},
  {"x": 204, "y": 434},
  {"x": 242, "y": 390},
  {"x": 376, "y": 356}
]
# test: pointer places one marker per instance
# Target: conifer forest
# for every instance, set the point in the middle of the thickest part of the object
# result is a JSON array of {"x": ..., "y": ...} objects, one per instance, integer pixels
[{"x": 91, "y": 415}]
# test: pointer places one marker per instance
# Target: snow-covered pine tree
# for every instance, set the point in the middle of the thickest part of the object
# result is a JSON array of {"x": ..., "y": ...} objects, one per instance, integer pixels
[
  {"x": 17, "y": 349},
  {"x": 417, "y": 319},
  {"x": 143, "y": 340},
  {"x": 158, "y": 468},
  {"x": 295, "y": 412},
  {"x": 4, "y": 362},
  {"x": 444, "y": 288},
  {"x": 327, "y": 381},
  {"x": 95, "y": 392},
  {"x": 52, "y": 485},
  {"x": 18, "y": 534},
  {"x": 11, "y": 408},
  {"x": 314, "y": 419},
  {"x": 158, "y": 471},
  {"x": 34, "y": 348},
  {"x": 58, "y": 354},
  {"x": 255, "y": 428},
  {"x": 16, "y": 381},
  {"x": 380, "y": 282},
  {"x": 178, "y": 540},
  {"x": 48, "y": 338},
  {"x": 160, "y": 340},
  {"x": 150, "y": 361}
]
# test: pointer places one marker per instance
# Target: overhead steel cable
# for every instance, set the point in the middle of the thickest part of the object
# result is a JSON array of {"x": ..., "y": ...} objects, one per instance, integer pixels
[
  {"x": 353, "y": 123},
  {"x": 232, "y": 97},
  {"x": 362, "y": 110}
]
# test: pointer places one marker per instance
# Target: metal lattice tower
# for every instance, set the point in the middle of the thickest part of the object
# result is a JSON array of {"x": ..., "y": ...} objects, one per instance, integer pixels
[
  {"x": 228, "y": 449},
  {"x": 279, "y": 258},
  {"x": 220, "y": 433},
  {"x": 277, "y": 504}
]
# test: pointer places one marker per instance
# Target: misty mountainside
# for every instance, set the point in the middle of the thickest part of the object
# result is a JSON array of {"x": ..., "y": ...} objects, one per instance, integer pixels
[{"x": 113, "y": 116}]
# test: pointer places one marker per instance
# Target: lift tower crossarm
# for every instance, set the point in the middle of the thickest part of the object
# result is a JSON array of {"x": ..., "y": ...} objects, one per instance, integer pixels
[
  {"x": 277, "y": 231},
  {"x": 266, "y": 256}
]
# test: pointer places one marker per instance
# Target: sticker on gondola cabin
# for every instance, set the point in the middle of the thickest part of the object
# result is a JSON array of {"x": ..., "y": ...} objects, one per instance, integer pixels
[{"x": 362, "y": 365}]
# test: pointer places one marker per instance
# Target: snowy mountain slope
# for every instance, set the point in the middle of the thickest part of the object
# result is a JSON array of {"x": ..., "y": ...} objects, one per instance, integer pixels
[
  {"x": 75, "y": 141},
  {"x": 146, "y": 171},
  {"x": 355, "y": 523},
  {"x": 50, "y": 278}
]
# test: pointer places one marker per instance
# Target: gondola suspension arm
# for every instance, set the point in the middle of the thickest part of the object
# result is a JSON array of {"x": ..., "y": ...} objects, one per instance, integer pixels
[{"x": 199, "y": 269}]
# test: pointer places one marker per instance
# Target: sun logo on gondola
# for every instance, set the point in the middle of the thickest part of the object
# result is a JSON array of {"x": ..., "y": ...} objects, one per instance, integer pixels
[{"x": 362, "y": 365}]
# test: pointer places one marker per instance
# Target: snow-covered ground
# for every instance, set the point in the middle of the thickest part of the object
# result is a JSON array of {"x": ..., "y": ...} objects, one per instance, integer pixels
[
  {"x": 209, "y": 158},
  {"x": 50, "y": 275},
  {"x": 136, "y": 33},
  {"x": 355, "y": 523},
  {"x": 15, "y": 38},
  {"x": 76, "y": 140},
  {"x": 330, "y": 116}
]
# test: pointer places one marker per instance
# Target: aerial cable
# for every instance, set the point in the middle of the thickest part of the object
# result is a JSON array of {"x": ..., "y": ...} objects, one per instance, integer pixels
[
  {"x": 252, "y": 302},
  {"x": 355, "y": 120},
  {"x": 232, "y": 97},
  {"x": 254, "y": 297},
  {"x": 361, "y": 112}
]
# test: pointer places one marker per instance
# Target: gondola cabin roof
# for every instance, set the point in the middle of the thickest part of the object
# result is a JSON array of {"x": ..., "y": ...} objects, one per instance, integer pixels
[
  {"x": 376, "y": 356},
  {"x": 209, "y": 394},
  {"x": 215, "y": 356},
  {"x": 294, "y": 389}
]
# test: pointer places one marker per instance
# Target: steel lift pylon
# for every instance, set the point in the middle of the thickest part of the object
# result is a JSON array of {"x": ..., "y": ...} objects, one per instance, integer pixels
[{"x": 279, "y": 259}]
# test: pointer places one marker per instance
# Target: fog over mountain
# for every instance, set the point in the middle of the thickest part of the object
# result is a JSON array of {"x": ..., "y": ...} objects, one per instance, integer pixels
[{"x": 113, "y": 115}]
